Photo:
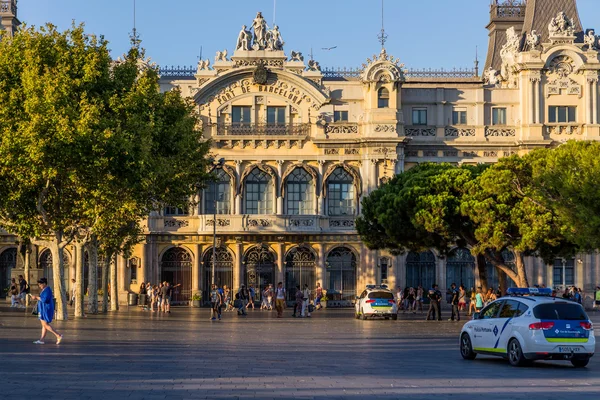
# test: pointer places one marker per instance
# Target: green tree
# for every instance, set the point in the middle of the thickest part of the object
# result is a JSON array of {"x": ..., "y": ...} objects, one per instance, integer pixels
[{"x": 87, "y": 144}]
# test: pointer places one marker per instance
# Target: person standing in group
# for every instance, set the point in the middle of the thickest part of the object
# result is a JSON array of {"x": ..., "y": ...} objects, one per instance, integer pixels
[
  {"x": 473, "y": 302},
  {"x": 227, "y": 298},
  {"x": 23, "y": 290},
  {"x": 399, "y": 298},
  {"x": 435, "y": 296},
  {"x": 299, "y": 300},
  {"x": 251, "y": 296},
  {"x": 14, "y": 294},
  {"x": 243, "y": 294},
  {"x": 270, "y": 297},
  {"x": 597, "y": 298},
  {"x": 215, "y": 303},
  {"x": 462, "y": 298},
  {"x": 318, "y": 296},
  {"x": 264, "y": 304},
  {"x": 454, "y": 301},
  {"x": 420, "y": 298},
  {"x": 305, "y": 301},
  {"x": 411, "y": 297},
  {"x": 279, "y": 299},
  {"x": 45, "y": 308},
  {"x": 73, "y": 290},
  {"x": 478, "y": 300}
]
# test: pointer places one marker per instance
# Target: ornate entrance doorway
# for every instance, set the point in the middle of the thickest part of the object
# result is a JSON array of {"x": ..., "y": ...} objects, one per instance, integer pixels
[
  {"x": 460, "y": 268},
  {"x": 176, "y": 268},
  {"x": 299, "y": 270},
  {"x": 260, "y": 269},
  {"x": 341, "y": 274},
  {"x": 223, "y": 271},
  {"x": 8, "y": 261}
]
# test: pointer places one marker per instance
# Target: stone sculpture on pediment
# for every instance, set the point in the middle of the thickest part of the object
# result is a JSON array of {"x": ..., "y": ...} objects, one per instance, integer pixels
[
  {"x": 296, "y": 56},
  {"x": 274, "y": 40},
  {"x": 534, "y": 40},
  {"x": 203, "y": 65},
  {"x": 491, "y": 76},
  {"x": 314, "y": 66},
  {"x": 591, "y": 40},
  {"x": 221, "y": 56},
  {"x": 561, "y": 25},
  {"x": 244, "y": 41},
  {"x": 508, "y": 54},
  {"x": 259, "y": 25}
]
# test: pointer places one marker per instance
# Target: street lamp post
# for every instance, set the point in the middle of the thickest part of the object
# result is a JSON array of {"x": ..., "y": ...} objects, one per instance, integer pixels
[{"x": 216, "y": 164}]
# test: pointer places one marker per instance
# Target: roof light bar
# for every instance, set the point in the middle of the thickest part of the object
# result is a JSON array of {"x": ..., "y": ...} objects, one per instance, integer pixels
[{"x": 529, "y": 291}]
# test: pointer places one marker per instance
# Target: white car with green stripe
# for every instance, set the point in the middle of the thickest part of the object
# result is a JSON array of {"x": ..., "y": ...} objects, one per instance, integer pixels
[
  {"x": 530, "y": 325},
  {"x": 376, "y": 301}
]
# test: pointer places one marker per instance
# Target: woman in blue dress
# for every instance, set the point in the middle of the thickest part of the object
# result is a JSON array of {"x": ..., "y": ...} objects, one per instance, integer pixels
[{"x": 45, "y": 308}]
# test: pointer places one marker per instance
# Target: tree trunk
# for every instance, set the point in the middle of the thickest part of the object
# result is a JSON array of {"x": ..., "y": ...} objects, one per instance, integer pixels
[
  {"x": 502, "y": 280},
  {"x": 105, "y": 274},
  {"x": 58, "y": 273},
  {"x": 27, "y": 269},
  {"x": 79, "y": 280},
  {"x": 93, "y": 277},
  {"x": 482, "y": 268},
  {"x": 521, "y": 271},
  {"x": 114, "y": 290}
]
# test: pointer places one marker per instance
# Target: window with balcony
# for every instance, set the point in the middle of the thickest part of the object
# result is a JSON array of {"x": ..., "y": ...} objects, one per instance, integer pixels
[
  {"x": 276, "y": 115},
  {"x": 217, "y": 195},
  {"x": 340, "y": 193},
  {"x": 419, "y": 116},
  {"x": 259, "y": 193},
  {"x": 383, "y": 98},
  {"x": 562, "y": 114},
  {"x": 499, "y": 116},
  {"x": 241, "y": 115},
  {"x": 340, "y": 116},
  {"x": 459, "y": 116},
  {"x": 300, "y": 193},
  {"x": 170, "y": 211}
]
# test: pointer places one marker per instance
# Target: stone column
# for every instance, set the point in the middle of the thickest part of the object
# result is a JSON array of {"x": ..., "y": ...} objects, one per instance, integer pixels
[
  {"x": 124, "y": 281},
  {"x": 238, "y": 196},
  {"x": 320, "y": 185},
  {"x": 595, "y": 102},
  {"x": 278, "y": 182},
  {"x": 588, "y": 101},
  {"x": 141, "y": 273},
  {"x": 321, "y": 271},
  {"x": 238, "y": 269},
  {"x": 537, "y": 100},
  {"x": 280, "y": 255},
  {"x": 196, "y": 266},
  {"x": 532, "y": 101},
  {"x": 372, "y": 175},
  {"x": 155, "y": 262}
]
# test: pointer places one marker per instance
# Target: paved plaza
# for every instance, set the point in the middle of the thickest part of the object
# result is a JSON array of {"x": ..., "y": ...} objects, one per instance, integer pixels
[{"x": 138, "y": 355}]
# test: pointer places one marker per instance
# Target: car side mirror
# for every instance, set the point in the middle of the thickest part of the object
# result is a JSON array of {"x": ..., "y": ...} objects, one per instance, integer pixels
[
  {"x": 357, "y": 297},
  {"x": 476, "y": 315}
]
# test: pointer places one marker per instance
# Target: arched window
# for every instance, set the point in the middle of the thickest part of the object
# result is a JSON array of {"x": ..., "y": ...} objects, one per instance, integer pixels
[
  {"x": 223, "y": 269},
  {"x": 176, "y": 268},
  {"x": 340, "y": 193},
  {"x": 420, "y": 269},
  {"x": 8, "y": 261},
  {"x": 45, "y": 264},
  {"x": 460, "y": 268},
  {"x": 299, "y": 270},
  {"x": 341, "y": 274},
  {"x": 259, "y": 193},
  {"x": 218, "y": 193},
  {"x": 383, "y": 98},
  {"x": 493, "y": 273},
  {"x": 300, "y": 192}
]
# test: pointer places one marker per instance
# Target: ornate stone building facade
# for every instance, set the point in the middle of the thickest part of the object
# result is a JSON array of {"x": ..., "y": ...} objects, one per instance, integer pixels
[{"x": 302, "y": 145}]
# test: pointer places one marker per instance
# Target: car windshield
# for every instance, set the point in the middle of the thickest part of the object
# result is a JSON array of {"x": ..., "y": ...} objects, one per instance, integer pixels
[
  {"x": 381, "y": 295},
  {"x": 564, "y": 310}
]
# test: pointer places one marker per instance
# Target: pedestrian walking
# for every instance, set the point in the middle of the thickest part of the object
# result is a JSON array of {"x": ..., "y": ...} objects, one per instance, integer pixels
[
  {"x": 264, "y": 304},
  {"x": 597, "y": 298},
  {"x": 419, "y": 300},
  {"x": 435, "y": 296},
  {"x": 478, "y": 300},
  {"x": 215, "y": 303},
  {"x": 462, "y": 298},
  {"x": 298, "y": 304},
  {"x": 305, "y": 301},
  {"x": 318, "y": 296},
  {"x": 455, "y": 301},
  {"x": 279, "y": 299},
  {"x": 73, "y": 290},
  {"x": 244, "y": 295},
  {"x": 473, "y": 302},
  {"x": 399, "y": 298},
  {"x": 23, "y": 290},
  {"x": 251, "y": 296},
  {"x": 270, "y": 297},
  {"x": 411, "y": 299},
  {"x": 45, "y": 308}
]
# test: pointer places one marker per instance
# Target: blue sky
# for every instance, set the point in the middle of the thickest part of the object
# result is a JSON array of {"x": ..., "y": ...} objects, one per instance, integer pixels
[{"x": 422, "y": 33}]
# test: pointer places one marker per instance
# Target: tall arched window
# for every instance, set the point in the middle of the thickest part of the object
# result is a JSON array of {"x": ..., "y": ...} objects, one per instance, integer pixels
[
  {"x": 420, "y": 269},
  {"x": 300, "y": 192},
  {"x": 383, "y": 98},
  {"x": 341, "y": 196},
  {"x": 218, "y": 194},
  {"x": 8, "y": 261},
  {"x": 460, "y": 268},
  {"x": 259, "y": 193}
]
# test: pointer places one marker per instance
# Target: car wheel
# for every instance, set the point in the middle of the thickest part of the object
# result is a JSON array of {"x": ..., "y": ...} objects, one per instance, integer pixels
[
  {"x": 516, "y": 358},
  {"x": 466, "y": 348},
  {"x": 394, "y": 317},
  {"x": 356, "y": 315},
  {"x": 580, "y": 362},
  {"x": 363, "y": 315}
]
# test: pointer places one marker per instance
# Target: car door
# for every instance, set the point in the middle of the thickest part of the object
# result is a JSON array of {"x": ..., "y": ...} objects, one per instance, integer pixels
[
  {"x": 483, "y": 330},
  {"x": 503, "y": 324}
]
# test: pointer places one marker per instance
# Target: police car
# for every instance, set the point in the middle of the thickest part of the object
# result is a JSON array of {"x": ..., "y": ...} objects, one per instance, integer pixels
[
  {"x": 530, "y": 325},
  {"x": 376, "y": 301}
]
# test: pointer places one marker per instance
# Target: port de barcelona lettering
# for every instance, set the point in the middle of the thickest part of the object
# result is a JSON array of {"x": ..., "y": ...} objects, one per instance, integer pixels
[{"x": 292, "y": 93}]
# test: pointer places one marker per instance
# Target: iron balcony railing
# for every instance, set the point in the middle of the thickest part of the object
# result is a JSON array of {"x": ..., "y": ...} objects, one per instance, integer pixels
[
  {"x": 263, "y": 129},
  {"x": 177, "y": 71},
  {"x": 509, "y": 9}
]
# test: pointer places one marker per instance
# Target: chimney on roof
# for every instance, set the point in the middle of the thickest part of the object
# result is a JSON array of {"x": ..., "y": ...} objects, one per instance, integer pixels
[{"x": 503, "y": 15}]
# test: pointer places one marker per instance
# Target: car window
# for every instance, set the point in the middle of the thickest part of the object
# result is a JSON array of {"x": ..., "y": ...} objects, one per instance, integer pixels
[
  {"x": 363, "y": 294},
  {"x": 490, "y": 311},
  {"x": 560, "y": 310},
  {"x": 522, "y": 309},
  {"x": 509, "y": 309},
  {"x": 381, "y": 295}
]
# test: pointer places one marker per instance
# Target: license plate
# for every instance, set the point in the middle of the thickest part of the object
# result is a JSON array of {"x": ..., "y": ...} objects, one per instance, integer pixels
[{"x": 569, "y": 349}]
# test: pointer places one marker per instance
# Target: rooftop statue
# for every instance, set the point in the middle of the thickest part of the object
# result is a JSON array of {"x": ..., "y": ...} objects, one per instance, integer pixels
[
  {"x": 296, "y": 56},
  {"x": 221, "y": 56},
  {"x": 274, "y": 39},
  {"x": 561, "y": 25},
  {"x": 591, "y": 40},
  {"x": 260, "y": 32},
  {"x": 244, "y": 39},
  {"x": 263, "y": 37},
  {"x": 534, "y": 40}
]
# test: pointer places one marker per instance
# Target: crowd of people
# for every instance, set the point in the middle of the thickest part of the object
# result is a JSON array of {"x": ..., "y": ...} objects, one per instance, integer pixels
[
  {"x": 158, "y": 296},
  {"x": 18, "y": 292}
]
